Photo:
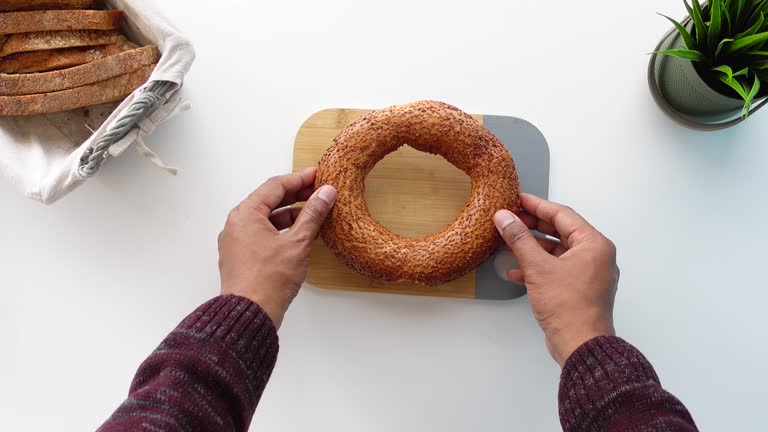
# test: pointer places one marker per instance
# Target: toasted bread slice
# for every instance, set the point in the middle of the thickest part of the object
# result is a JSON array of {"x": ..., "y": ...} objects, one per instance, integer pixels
[
  {"x": 105, "y": 91},
  {"x": 48, "y": 60},
  {"x": 24, "y": 42},
  {"x": 78, "y": 76},
  {"x": 58, "y": 20},
  {"x": 26, "y": 5}
]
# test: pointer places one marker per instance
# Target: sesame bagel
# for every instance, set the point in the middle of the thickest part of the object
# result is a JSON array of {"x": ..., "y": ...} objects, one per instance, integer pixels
[{"x": 362, "y": 243}]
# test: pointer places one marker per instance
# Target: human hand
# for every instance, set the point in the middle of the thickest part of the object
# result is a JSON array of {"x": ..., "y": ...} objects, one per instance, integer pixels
[
  {"x": 571, "y": 281},
  {"x": 256, "y": 259}
]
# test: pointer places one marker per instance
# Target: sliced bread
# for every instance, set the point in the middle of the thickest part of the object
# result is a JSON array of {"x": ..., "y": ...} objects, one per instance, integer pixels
[
  {"x": 24, "y": 42},
  {"x": 105, "y": 91},
  {"x": 78, "y": 76},
  {"x": 57, "y": 20},
  {"x": 22, "y": 5},
  {"x": 48, "y": 60}
]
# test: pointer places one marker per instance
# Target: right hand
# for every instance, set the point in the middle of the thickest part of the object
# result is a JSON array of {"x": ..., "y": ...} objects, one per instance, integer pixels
[{"x": 571, "y": 281}]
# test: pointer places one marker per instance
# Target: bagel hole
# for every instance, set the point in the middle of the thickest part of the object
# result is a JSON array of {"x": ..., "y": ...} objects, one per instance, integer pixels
[{"x": 415, "y": 194}]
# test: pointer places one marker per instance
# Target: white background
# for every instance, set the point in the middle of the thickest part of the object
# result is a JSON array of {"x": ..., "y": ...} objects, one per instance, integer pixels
[{"x": 91, "y": 285}]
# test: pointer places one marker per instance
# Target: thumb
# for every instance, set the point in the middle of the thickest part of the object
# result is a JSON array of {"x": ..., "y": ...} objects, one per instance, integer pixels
[
  {"x": 519, "y": 238},
  {"x": 314, "y": 212}
]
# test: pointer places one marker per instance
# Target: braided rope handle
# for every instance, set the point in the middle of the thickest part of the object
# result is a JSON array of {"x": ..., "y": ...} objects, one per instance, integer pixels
[{"x": 152, "y": 97}]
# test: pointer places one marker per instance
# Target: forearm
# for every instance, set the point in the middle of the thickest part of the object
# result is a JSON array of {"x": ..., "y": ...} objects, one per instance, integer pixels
[
  {"x": 608, "y": 385},
  {"x": 208, "y": 374}
]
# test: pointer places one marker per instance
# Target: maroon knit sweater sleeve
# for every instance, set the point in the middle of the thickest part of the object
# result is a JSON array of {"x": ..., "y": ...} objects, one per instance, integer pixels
[
  {"x": 607, "y": 385},
  {"x": 207, "y": 375}
]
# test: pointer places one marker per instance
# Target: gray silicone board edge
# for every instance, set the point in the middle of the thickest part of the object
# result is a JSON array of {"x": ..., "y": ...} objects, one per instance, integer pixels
[{"x": 530, "y": 150}]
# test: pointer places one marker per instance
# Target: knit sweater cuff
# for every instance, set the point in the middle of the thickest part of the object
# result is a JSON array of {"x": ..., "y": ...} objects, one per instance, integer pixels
[
  {"x": 241, "y": 326},
  {"x": 596, "y": 379}
]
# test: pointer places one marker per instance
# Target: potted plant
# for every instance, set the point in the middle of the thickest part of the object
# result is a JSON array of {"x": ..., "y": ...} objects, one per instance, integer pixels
[{"x": 713, "y": 66}]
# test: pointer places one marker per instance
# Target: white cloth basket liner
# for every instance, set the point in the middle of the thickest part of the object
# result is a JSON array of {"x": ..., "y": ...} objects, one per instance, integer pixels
[{"x": 47, "y": 160}]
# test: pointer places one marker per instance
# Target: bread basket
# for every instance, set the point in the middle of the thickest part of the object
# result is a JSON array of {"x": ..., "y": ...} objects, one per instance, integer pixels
[{"x": 41, "y": 156}]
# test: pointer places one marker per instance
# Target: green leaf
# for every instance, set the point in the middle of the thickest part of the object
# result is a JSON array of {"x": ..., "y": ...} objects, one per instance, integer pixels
[
  {"x": 727, "y": 19},
  {"x": 716, "y": 15},
  {"x": 736, "y": 85},
  {"x": 755, "y": 89},
  {"x": 757, "y": 9},
  {"x": 684, "y": 54},
  {"x": 751, "y": 97},
  {"x": 689, "y": 42},
  {"x": 742, "y": 72},
  {"x": 721, "y": 45},
  {"x": 757, "y": 53},
  {"x": 698, "y": 22},
  {"x": 752, "y": 30},
  {"x": 726, "y": 70},
  {"x": 739, "y": 19},
  {"x": 747, "y": 42},
  {"x": 761, "y": 65}
]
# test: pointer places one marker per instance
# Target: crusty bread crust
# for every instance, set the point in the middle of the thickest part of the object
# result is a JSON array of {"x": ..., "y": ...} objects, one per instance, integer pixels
[
  {"x": 100, "y": 70},
  {"x": 105, "y": 91},
  {"x": 26, "y": 5},
  {"x": 48, "y": 60},
  {"x": 24, "y": 42},
  {"x": 58, "y": 20},
  {"x": 362, "y": 243}
]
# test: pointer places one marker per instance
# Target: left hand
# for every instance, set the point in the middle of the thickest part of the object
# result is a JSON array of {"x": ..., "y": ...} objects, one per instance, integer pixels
[{"x": 257, "y": 258}]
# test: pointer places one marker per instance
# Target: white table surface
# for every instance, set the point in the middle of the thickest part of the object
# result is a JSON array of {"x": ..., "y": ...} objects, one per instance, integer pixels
[{"x": 92, "y": 284}]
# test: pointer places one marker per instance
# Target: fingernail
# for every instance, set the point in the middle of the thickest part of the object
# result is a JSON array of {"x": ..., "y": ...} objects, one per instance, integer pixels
[
  {"x": 503, "y": 218},
  {"x": 327, "y": 193},
  {"x": 307, "y": 170}
]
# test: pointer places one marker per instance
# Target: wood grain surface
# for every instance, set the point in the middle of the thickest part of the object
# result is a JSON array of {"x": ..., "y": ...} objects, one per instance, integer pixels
[{"x": 411, "y": 193}]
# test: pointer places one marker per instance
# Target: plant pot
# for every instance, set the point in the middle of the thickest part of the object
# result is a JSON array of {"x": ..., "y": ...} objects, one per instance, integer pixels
[{"x": 683, "y": 90}]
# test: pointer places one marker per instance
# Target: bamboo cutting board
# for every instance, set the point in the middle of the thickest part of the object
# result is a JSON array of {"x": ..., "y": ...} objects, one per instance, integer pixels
[{"x": 415, "y": 194}]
